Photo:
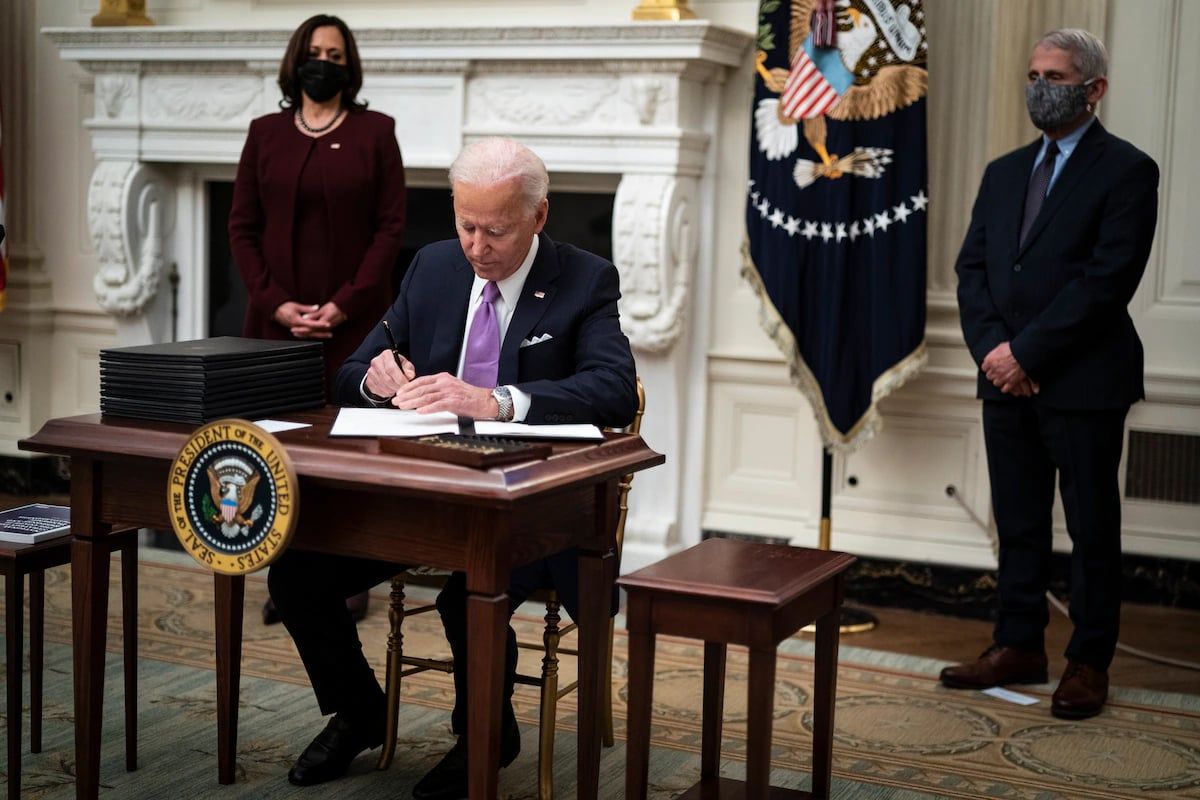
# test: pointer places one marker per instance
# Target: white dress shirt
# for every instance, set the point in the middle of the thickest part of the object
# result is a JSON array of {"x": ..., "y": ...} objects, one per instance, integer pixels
[{"x": 504, "y": 306}]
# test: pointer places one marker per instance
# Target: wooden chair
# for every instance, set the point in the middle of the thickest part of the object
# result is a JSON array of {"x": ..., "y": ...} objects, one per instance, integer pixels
[
  {"x": 547, "y": 681},
  {"x": 19, "y": 560}
]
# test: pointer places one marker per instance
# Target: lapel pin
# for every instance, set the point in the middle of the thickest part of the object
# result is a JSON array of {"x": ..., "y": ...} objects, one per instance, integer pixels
[
  {"x": 540, "y": 295},
  {"x": 335, "y": 146}
]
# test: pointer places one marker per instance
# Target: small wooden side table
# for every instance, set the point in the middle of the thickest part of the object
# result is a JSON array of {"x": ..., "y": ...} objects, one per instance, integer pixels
[
  {"x": 735, "y": 592},
  {"x": 17, "y": 561}
]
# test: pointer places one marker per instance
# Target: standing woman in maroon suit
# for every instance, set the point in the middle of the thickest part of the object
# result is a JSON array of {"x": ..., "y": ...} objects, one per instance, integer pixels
[{"x": 318, "y": 203}]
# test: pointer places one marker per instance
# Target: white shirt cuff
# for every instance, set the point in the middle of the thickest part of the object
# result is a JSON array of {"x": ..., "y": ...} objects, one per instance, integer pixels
[
  {"x": 521, "y": 401},
  {"x": 362, "y": 390}
]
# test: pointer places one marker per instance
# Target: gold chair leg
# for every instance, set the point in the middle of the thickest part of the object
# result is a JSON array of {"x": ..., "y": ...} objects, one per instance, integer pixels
[
  {"x": 395, "y": 649},
  {"x": 606, "y": 733},
  {"x": 549, "y": 706}
]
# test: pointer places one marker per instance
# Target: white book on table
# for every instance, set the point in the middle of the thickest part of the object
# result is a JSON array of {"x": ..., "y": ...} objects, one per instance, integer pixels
[{"x": 34, "y": 523}]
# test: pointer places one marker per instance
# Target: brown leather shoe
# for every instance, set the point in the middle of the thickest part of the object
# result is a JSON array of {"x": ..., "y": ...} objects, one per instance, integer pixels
[
  {"x": 997, "y": 666},
  {"x": 1081, "y": 693}
]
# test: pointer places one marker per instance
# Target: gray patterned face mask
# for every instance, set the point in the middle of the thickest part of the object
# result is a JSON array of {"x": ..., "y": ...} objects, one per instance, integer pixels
[{"x": 1053, "y": 105}]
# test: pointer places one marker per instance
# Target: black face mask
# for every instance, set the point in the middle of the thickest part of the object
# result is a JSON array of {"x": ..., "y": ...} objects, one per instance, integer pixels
[{"x": 321, "y": 80}]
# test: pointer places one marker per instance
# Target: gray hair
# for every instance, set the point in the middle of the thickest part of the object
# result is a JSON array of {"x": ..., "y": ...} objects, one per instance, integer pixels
[
  {"x": 1088, "y": 53},
  {"x": 496, "y": 160}
]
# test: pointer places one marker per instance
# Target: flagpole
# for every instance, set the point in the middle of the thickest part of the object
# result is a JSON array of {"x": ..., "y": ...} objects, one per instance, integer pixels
[{"x": 854, "y": 619}]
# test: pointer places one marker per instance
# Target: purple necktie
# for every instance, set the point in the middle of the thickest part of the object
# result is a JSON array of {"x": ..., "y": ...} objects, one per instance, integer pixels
[
  {"x": 1039, "y": 184},
  {"x": 482, "y": 359}
]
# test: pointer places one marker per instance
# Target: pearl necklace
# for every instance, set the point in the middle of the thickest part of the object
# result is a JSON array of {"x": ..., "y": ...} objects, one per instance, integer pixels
[{"x": 323, "y": 128}]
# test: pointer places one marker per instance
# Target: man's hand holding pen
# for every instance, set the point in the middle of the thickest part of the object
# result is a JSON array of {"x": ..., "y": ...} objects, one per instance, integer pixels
[{"x": 389, "y": 371}]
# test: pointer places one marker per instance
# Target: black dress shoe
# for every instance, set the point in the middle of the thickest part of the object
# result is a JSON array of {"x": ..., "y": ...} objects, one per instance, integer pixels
[
  {"x": 329, "y": 755},
  {"x": 448, "y": 779}
]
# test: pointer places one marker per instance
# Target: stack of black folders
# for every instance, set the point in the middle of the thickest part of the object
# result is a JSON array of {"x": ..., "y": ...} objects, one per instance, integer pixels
[{"x": 207, "y": 379}]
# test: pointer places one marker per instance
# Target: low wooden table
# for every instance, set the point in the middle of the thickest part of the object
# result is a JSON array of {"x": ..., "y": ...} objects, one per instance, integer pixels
[
  {"x": 19, "y": 560},
  {"x": 735, "y": 592}
]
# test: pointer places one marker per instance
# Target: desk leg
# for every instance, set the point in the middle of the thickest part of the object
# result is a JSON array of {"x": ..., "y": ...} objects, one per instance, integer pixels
[
  {"x": 37, "y": 630},
  {"x": 487, "y": 619},
  {"x": 824, "y": 700},
  {"x": 89, "y": 619},
  {"x": 14, "y": 612},
  {"x": 641, "y": 694},
  {"x": 129, "y": 605},
  {"x": 759, "y": 717},
  {"x": 595, "y": 593},
  {"x": 229, "y": 593}
]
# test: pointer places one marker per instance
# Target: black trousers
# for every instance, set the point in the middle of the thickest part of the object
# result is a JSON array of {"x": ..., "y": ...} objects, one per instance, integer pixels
[
  {"x": 1027, "y": 447},
  {"x": 310, "y": 591}
]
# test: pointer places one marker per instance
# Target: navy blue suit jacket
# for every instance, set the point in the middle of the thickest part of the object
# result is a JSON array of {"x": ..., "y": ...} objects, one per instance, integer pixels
[
  {"x": 583, "y": 373},
  {"x": 1060, "y": 298}
]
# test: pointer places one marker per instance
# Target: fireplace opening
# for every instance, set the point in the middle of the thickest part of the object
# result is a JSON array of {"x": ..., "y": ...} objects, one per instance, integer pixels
[{"x": 581, "y": 218}]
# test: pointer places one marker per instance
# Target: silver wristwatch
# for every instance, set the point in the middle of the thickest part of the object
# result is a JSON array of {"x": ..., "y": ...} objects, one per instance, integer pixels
[{"x": 504, "y": 403}]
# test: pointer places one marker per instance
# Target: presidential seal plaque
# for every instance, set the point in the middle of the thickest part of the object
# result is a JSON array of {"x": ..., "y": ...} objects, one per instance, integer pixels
[{"x": 233, "y": 497}]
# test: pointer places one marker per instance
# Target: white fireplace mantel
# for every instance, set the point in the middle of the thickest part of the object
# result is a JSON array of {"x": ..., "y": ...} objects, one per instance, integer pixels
[
  {"x": 627, "y": 100},
  {"x": 636, "y": 105}
]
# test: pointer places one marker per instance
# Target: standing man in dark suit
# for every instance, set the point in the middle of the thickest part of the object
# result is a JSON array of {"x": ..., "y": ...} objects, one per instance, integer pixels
[
  {"x": 1058, "y": 241},
  {"x": 502, "y": 324}
]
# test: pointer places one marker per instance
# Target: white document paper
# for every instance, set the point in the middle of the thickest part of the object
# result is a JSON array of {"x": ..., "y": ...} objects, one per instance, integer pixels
[
  {"x": 392, "y": 422},
  {"x": 519, "y": 430},
  {"x": 1000, "y": 693},
  {"x": 279, "y": 425}
]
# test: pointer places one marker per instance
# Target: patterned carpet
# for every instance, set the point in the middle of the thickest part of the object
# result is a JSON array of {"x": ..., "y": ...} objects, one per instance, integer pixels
[{"x": 900, "y": 736}]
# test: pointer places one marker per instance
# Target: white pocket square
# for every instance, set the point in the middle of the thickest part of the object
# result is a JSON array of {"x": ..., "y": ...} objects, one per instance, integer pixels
[{"x": 545, "y": 337}]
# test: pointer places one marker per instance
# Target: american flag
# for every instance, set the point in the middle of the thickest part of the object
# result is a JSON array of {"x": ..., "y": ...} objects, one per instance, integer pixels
[
  {"x": 3, "y": 248},
  {"x": 806, "y": 93}
]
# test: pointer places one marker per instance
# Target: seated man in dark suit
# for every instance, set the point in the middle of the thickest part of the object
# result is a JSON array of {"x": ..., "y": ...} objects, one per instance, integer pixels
[{"x": 502, "y": 324}]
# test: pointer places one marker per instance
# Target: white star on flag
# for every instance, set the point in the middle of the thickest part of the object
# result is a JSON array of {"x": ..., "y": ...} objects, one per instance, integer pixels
[
  {"x": 901, "y": 212},
  {"x": 869, "y": 227},
  {"x": 882, "y": 221},
  {"x": 919, "y": 201},
  {"x": 854, "y": 230},
  {"x": 841, "y": 231},
  {"x": 792, "y": 226},
  {"x": 776, "y": 218},
  {"x": 762, "y": 208},
  {"x": 826, "y": 231},
  {"x": 810, "y": 230}
]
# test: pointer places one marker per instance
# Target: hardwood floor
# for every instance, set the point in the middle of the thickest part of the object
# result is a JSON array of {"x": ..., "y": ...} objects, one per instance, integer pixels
[{"x": 1164, "y": 631}]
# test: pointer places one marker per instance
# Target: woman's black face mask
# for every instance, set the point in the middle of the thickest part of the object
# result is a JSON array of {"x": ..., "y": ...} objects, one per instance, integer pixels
[{"x": 322, "y": 80}]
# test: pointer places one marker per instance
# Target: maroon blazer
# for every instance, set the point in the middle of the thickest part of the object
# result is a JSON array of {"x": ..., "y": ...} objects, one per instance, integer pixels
[{"x": 363, "y": 178}]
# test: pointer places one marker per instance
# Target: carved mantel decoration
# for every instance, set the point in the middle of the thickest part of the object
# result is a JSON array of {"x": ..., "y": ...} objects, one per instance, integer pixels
[{"x": 631, "y": 100}]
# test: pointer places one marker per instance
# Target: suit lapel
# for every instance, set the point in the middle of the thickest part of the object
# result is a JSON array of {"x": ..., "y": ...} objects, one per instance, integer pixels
[
  {"x": 1090, "y": 148},
  {"x": 452, "y": 322},
  {"x": 536, "y": 296}
]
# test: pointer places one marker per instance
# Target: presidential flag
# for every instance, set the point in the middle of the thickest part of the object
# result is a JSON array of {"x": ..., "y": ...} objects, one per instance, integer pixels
[{"x": 838, "y": 201}]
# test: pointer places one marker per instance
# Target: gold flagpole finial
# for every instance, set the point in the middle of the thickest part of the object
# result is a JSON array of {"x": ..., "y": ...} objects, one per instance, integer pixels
[
  {"x": 121, "y": 12},
  {"x": 663, "y": 10}
]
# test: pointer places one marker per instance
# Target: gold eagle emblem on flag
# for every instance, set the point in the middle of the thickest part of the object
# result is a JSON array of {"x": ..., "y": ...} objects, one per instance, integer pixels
[{"x": 874, "y": 65}]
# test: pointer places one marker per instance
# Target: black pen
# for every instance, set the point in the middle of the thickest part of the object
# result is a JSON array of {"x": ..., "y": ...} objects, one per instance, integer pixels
[{"x": 395, "y": 350}]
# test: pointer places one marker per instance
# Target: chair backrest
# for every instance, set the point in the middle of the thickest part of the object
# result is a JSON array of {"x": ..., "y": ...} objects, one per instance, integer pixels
[{"x": 627, "y": 480}]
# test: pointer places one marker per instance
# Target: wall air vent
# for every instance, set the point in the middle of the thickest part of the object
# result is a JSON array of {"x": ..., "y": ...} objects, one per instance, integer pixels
[{"x": 1163, "y": 466}]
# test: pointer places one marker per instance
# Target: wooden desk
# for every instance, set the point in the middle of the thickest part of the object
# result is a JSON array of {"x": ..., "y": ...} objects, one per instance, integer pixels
[{"x": 357, "y": 501}]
